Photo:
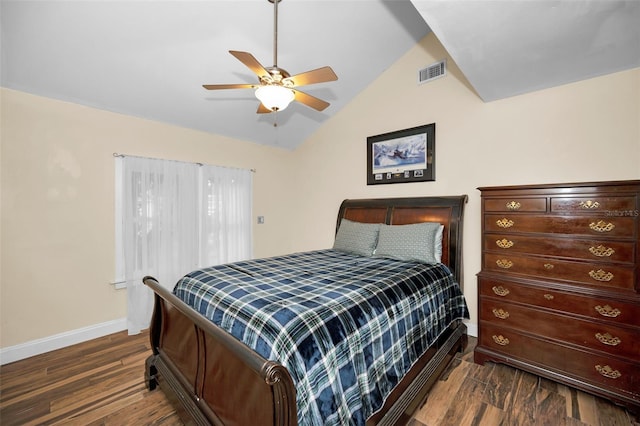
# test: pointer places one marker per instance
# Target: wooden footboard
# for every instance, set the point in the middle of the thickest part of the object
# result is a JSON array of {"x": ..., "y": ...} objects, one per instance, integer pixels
[{"x": 215, "y": 378}]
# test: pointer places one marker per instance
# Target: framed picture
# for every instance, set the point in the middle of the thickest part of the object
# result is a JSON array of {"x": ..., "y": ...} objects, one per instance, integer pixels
[{"x": 402, "y": 156}]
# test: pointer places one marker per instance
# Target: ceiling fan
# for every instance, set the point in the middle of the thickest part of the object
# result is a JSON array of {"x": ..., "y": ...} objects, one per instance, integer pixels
[{"x": 276, "y": 88}]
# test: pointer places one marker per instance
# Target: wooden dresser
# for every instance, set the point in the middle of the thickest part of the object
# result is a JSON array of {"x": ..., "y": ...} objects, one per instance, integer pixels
[{"x": 559, "y": 291}]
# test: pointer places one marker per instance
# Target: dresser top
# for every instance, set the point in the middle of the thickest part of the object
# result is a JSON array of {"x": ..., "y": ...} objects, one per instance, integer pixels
[{"x": 632, "y": 185}]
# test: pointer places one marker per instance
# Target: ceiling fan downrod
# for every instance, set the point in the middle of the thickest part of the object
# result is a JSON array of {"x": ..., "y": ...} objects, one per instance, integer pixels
[{"x": 275, "y": 31}]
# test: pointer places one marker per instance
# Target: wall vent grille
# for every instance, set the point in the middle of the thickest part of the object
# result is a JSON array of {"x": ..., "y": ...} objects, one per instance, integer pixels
[{"x": 432, "y": 72}]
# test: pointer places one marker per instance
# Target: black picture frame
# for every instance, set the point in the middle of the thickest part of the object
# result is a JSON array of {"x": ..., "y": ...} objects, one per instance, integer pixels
[{"x": 402, "y": 156}]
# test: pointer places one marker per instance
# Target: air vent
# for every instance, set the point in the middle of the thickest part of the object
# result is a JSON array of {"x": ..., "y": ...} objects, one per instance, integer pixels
[{"x": 433, "y": 71}]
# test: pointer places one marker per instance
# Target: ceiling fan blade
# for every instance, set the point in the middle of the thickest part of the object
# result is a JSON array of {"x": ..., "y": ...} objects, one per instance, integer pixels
[
  {"x": 319, "y": 75},
  {"x": 310, "y": 101},
  {"x": 251, "y": 63},
  {"x": 228, "y": 86},
  {"x": 263, "y": 109}
]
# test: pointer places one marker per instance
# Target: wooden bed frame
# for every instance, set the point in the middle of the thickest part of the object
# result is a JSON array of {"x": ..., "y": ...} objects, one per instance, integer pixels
[{"x": 212, "y": 378}]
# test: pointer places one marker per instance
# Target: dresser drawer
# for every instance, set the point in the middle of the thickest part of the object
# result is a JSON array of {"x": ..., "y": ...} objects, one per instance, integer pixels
[
  {"x": 600, "y": 369},
  {"x": 601, "y": 227},
  {"x": 587, "y": 249},
  {"x": 600, "y": 308},
  {"x": 601, "y": 205},
  {"x": 538, "y": 205},
  {"x": 619, "y": 341},
  {"x": 601, "y": 275}
]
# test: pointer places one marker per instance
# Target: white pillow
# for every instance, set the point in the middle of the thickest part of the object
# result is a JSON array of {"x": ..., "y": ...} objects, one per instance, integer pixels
[
  {"x": 356, "y": 237},
  {"x": 420, "y": 242}
]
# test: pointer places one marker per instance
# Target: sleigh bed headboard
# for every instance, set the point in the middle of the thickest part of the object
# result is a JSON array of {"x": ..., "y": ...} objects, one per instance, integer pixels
[{"x": 403, "y": 211}]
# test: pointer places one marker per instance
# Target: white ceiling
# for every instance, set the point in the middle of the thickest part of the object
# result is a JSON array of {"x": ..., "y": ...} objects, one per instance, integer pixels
[
  {"x": 507, "y": 48},
  {"x": 149, "y": 58}
]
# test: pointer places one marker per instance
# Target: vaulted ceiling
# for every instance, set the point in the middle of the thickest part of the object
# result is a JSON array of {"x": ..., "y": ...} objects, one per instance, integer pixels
[{"x": 150, "y": 58}]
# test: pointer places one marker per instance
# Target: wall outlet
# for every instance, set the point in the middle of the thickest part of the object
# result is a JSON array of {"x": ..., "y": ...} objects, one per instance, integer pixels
[{"x": 260, "y": 220}]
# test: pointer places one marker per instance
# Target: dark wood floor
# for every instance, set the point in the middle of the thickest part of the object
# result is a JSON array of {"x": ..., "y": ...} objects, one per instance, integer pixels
[
  {"x": 101, "y": 382},
  {"x": 496, "y": 394}
]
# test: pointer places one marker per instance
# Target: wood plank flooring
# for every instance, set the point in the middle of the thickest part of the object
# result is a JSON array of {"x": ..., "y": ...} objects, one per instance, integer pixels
[
  {"x": 496, "y": 394},
  {"x": 101, "y": 382}
]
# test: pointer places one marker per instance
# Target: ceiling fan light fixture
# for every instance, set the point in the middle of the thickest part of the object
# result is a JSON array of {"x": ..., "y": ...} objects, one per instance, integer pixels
[{"x": 274, "y": 98}]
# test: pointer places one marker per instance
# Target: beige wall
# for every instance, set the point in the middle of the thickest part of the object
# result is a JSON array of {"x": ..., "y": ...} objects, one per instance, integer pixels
[
  {"x": 57, "y": 207},
  {"x": 584, "y": 131},
  {"x": 57, "y": 175}
]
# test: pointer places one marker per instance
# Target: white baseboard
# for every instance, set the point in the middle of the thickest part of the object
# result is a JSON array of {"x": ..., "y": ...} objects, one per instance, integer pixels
[
  {"x": 472, "y": 329},
  {"x": 57, "y": 341}
]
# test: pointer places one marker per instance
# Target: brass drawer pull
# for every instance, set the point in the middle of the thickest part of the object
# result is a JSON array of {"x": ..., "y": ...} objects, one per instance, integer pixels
[
  {"x": 500, "y": 291},
  {"x": 601, "y": 251},
  {"x": 505, "y": 223},
  {"x": 500, "y": 313},
  {"x": 601, "y": 275},
  {"x": 504, "y": 243},
  {"x": 601, "y": 226},
  {"x": 589, "y": 204},
  {"x": 608, "y": 339},
  {"x": 608, "y": 311},
  {"x": 548, "y": 296},
  {"x": 500, "y": 340},
  {"x": 607, "y": 371},
  {"x": 504, "y": 263},
  {"x": 548, "y": 266},
  {"x": 513, "y": 205}
]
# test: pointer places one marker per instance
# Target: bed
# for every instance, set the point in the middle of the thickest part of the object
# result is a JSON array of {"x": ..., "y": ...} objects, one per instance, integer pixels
[{"x": 214, "y": 378}]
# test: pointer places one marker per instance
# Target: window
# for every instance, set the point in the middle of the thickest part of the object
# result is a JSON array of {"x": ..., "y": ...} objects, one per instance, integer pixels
[{"x": 174, "y": 217}]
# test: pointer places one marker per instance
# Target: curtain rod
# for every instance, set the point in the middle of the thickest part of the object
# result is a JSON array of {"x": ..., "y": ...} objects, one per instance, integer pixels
[{"x": 116, "y": 154}]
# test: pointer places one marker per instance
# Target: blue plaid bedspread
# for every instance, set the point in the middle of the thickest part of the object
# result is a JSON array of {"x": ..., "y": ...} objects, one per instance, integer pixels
[{"x": 346, "y": 327}]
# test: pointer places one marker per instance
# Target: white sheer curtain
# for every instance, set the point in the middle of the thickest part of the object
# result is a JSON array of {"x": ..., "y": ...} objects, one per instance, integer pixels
[
  {"x": 160, "y": 231},
  {"x": 226, "y": 215},
  {"x": 173, "y": 217}
]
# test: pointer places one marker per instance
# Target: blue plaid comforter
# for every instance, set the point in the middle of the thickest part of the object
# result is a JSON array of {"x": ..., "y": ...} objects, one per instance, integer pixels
[{"x": 346, "y": 327}]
